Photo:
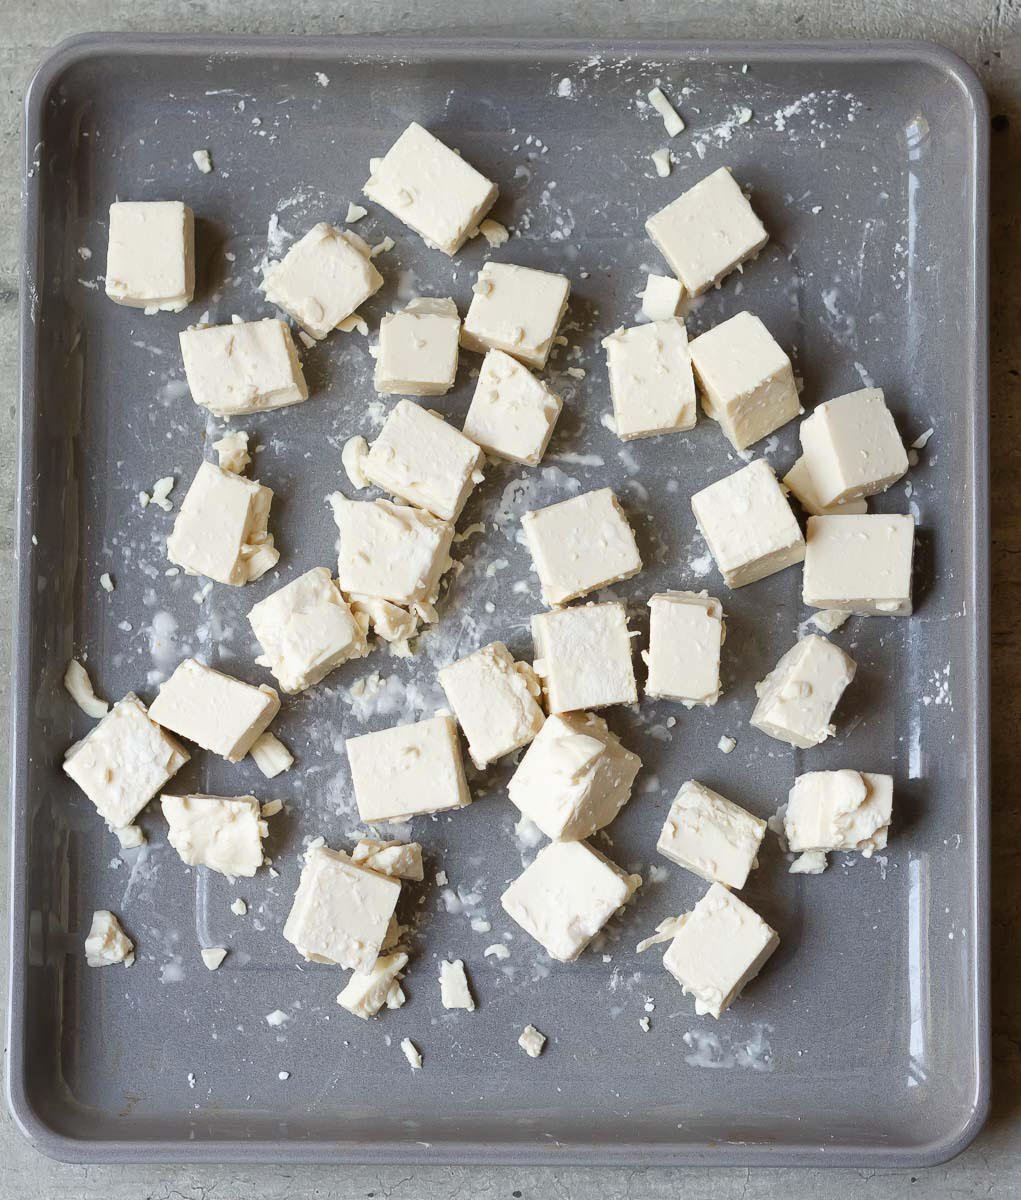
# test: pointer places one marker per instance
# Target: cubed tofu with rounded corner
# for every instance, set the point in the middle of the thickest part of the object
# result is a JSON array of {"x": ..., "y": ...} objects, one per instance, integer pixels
[
  {"x": 797, "y": 698},
  {"x": 583, "y": 657},
  {"x": 707, "y": 232},
  {"x": 839, "y": 810},
  {"x": 798, "y": 481},
  {"x": 517, "y": 310},
  {"x": 244, "y": 367},
  {"x": 150, "y": 258},
  {"x": 860, "y": 564},
  {"x": 662, "y": 297},
  {"x": 122, "y": 762},
  {"x": 574, "y": 778},
  {"x": 566, "y": 896},
  {"x": 512, "y": 413},
  {"x": 746, "y": 378},
  {"x": 223, "y": 833},
  {"x": 417, "y": 352},
  {"x": 748, "y": 525},
  {"x": 711, "y": 836},
  {"x": 686, "y": 632},
  {"x": 651, "y": 384},
  {"x": 408, "y": 770}
]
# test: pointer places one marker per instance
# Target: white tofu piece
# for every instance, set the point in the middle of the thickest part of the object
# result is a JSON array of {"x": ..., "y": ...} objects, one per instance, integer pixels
[
  {"x": 454, "y": 990},
  {"x": 422, "y": 460},
  {"x": 150, "y": 259},
  {"x": 341, "y": 912},
  {"x": 212, "y": 957},
  {"x": 390, "y": 551},
  {"x": 707, "y": 232},
  {"x": 400, "y": 859},
  {"x": 124, "y": 761},
  {"x": 532, "y": 1041},
  {"x": 662, "y": 297},
  {"x": 566, "y": 896},
  {"x": 711, "y": 836},
  {"x": 512, "y": 413},
  {"x": 651, "y": 384},
  {"x": 748, "y": 525},
  {"x": 583, "y": 657},
  {"x": 686, "y": 632},
  {"x": 798, "y": 481},
  {"x": 852, "y": 448},
  {"x": 216, "y": 711},
  {"x": 367, "y": 992},
  {"x": 322, "y": 279},
  {"x": 581, "y": 544},
  {"x": 270, "y": 755},
  {"x": 408, "y": 770},
  {"x": 517, "y": 310},
  {"x": 417, "y": 353},
  {"x": 494, "y": 700},
  {"x": 232, "y": 452},
  {"x": 412, "y": 1053},
  {"x": 223, "y": 833},
  {"x": 130, "y": 837},
  {"x": 860, "y": 564},
  {"x": 746, "y": 378},
  {"x": 797, "y": 698},
  {"x": 106, "y": 943},
  {"x": 431, "y": 189},
  {"x": 79, "y": 687},
  {"x": 839, "y": 810},
  {"x": 247, "y": 367},
  {"x": 672, "y": 120},
  {"x": 574, "y": 778}
]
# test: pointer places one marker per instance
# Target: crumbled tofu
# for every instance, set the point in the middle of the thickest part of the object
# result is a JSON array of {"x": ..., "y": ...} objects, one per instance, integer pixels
[
  {"x": 512, "y": 413},
  {"x": 352, "y": 458},
  {"x": 661, "y": 298},
  {"x": 517, "y": 310},
  {"x": 711, "y": 836},
  {"x": 367, "y": 992},
  {"x": 497, "y": 950},
  {"x": 355, "y": 212},
  {"x": 798, "y": 481},
  {"x": 494, "y": 233},
  {"x": 79, "y": 687},
  {"x": 839, "y": 810},
  {"x": 852, "y": 448},
  {"x": 239, "y": 908},
  {"x": 240, "y": 368},
  {"x": 400, "y": 859},
  {"x": 797, "y": 698},
  {"x": 661, "y": 160},
  {"x": 859, "y": 564},
  {"x": 392, "y": 624},
  {"x": 271, "y": 756},
  {"x": 812, "y": 862},
  {"x": 651, "y": 384},
  {"x": 130, "y": 837},
  {"x": 106, "y": 582},
  {"x": 161, "y": 490},
  {"x": 686, "y": 632},
  {"x": 203, "y": 160},
  {"x": 270, "y": 808},
  {"x": 454, "y": 990},
  {"x": 417, "y": 354},
  {"x": 382, "y": 247},
  {"x": 223, "y": 833},
  {"x": 726, "y": 744},
  {"x": 232, "y": 452},
  {"x": 107, "y": 943},
  {"x": 412, "y": 1053},
  {"x": 212, "y": 957},
  {"x": 583, "y": 656},
  {"x": 830, "y": 619},
  {"x": 150, "y": 260},
  {"x": 672, "y": 120},
  {"x": 532, "y": 1041}
]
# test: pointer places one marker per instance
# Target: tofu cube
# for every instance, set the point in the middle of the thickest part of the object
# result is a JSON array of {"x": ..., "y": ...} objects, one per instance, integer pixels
[
  {"x": 512, "y": 413},
  {"x": 245, "y": 367},
  {"x": 408, "y": 770},
  {"x": 746, "y": 378},
  {"x": 707, "y": 232},
  {"x": 421, "y": 459},
  {"x": 431, "y": 189},
  {"x": 711, "y": 836},
  {"x": 322, "y": 279},
  {"x": 566, "y": 896},
  {"x": 341, "y": 912},
  {"x": 581, "y": 544},
  {"x": 417, "y": 352},
  {"x": 124, "y": 761},
  {"x": 223, "y": 833},
  {"x": 852, "y": 448},
  {"x": 748, "y": 524},
  {"x": 839, "y": 810},
  {"x": 686, "y": 632},
  {"x": 583, "y": 656},
  {"x": 213, "y": 710},
  {"x": 574, "y": 778},
  {"x": 150, "y": 259},
  {"x": 798, "y": 481},
  {"x": 517, "y": 310},
  {"x": 861, "y": 564},
  {"x": 494, "y": 699},
  {"x": 797, "y": 698},
  {"x": 651, "y": 384},
  {"x": 661, "y": 298}
]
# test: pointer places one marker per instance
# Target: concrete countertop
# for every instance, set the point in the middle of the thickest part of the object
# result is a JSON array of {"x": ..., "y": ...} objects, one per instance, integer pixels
[{"x": 987, "y": 33}]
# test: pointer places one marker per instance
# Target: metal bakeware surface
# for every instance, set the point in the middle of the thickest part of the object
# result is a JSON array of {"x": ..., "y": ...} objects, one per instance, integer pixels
[{"x": 864, "y": 1041}]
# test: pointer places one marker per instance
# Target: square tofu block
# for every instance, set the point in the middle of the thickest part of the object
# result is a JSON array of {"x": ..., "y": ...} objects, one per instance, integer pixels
[
  {"x": 417, "y": 352},
  {"x": 748, "y": 525},
  {"x": 661, "y": 298},
  {"x": 431, "y": 188},
  {"x": 245, "y": 367},
  {"x": 580, "y": 545},
  {"x": 862, "y": 564},
  {"x": 124, "y": 761},
  {"x": 839, "y": 810},
  {"x": 574, "y": 778},
  {"x": 305, "y": 630},
  {"x": 852, "y": 448},
  {"x": 322, "y": 279},
  {"x": 223, "y": 833},
  {"x": 390, "y": 551},
  {"x": 220, "y": 530},
  {"x": 515, "y": 309},
  {"x": 711, "y": 836},
  {"x": 566, "y": 896},
  {"x": 746, "y": 378},
  {"x": 720, "y": 946},
  {"x": 494, "y": 699},
  {"x": 583, "y": 656},
  {"x": 411, "y": 769},
  {"x": 651, "y": 383},
  {"x": 797, "y": 698},
  {"x": 213, "y": 710},
  {"x": 150, "y": 260},
  {"x": 341, "y": 912},
  {"x": 512, "y": 413},
  {"x": 798, "y": 481},
  {"x": 419, "y": 458},
  {"x": 686, "y": 633},
  {"x": 707, "y": 232}
]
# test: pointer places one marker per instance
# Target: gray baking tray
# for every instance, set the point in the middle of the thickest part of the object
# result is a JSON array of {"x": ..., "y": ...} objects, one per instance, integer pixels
[{"x": 865, "y": 1040}]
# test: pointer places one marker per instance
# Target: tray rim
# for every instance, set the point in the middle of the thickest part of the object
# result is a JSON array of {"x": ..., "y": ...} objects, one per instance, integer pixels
[{"x": 63, "y": 1147}]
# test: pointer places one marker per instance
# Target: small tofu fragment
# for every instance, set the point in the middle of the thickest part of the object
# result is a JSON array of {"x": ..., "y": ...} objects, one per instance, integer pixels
[
  {"x": 852, "y": 448},
  {"x": 583, "y": 657},
  {"x": 270, "y": 755},
  {"x": 223, "y": 833},
  {"x": 860, "y": 564},
  {"x": 232, "y": 452},
  {"x": 512, "y": 413},
  {"x": 839, "y": 810},
  {"x": 517, "y": 310},
  {"x": 651, "y": 384},
  {"x": 417, "y": 354},
  {"x": 130, "y": 837},
  {"x": 353, "y": 457},
  {"x": 412, "y": 1053},
  {"x": 212, "y": 957},
  {"x": 107, "y": 943},
  {"x": 797, "y": 698},
  {"x": 400, "y": 859},
  {"x": 454, "y": 990},
  {"x": 671, "y": 117},
  {"x": 247, "y": 367},
  {"x": 711, "y": 836},
  {"x": 686, "y": 632},
  {"x": 79, "y": 687},
  {"x": 150, "y": 260},
  {"x": 798, "y": 481},
  {"x": 661, "y": 298},
  {"x": 368, "y": 991},
  {"x": 532, "y": 1041}
]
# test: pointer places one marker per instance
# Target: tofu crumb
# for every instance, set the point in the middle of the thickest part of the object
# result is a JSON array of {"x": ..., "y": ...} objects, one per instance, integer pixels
[
  {"x": 922, "y": 440},
  {"x": 355, "y": 212},
  {"x": 532, "y": 1041},
  {"x": 494, "y": 233},
  {"x": 811, "y": 862},
  {"x": 454, "y": 990},
  {"x": 672, "y": 120},
  {"x": 645, "y": 1023},
  {"x": 661, "y": 161},
  {"x": 497, "y": 950},
  {"x": 161, "y": 490},
  {"x": 130, "y": 837},
  {"x": 282, "y": 1075},
  {"x": 441, "y": 879},
  {"x": 239, "y": 908},
  {"x": 726, "y": 744},
  {"x": 79, "y": 688},
  {"x": 353, "y": 457},
  {"x": 276, "y": 1018},
  {"x": 106, "y": 582},
  {"x": 213, "y": 956},
  {"x": 202, "y": 160},
  {"x": 382, "y": 247},
  {"x": 412, "y": 1054}
]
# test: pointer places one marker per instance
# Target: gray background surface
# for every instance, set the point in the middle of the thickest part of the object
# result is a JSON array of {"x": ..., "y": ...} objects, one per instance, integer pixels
[{"x": 985, "y": 35}]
